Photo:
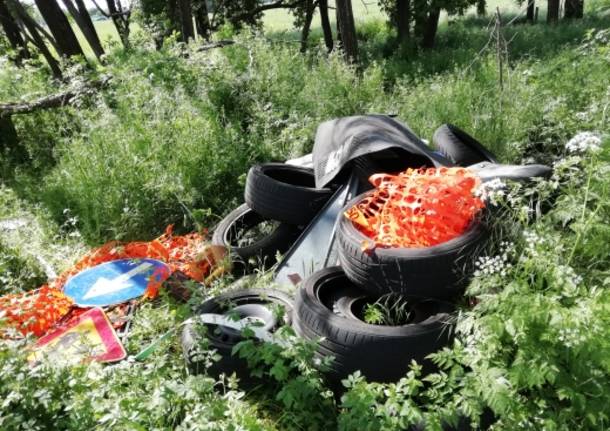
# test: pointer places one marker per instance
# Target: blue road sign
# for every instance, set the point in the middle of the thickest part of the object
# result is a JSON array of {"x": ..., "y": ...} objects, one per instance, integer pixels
[{"x": 114, "y": 282}]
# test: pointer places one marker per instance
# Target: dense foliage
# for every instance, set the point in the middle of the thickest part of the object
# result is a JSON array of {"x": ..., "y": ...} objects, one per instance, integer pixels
[{"x": 170, "y": 140}]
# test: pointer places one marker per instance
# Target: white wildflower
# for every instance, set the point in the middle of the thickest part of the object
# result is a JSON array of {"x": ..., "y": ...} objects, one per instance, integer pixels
[
  {"x": 491, "y": 191},
  {"x": 499, "y": 264},
  {"x": 582, "y": 116},
  {"x": 584, "y": 142},
  {"x": 532, "y": 240}
]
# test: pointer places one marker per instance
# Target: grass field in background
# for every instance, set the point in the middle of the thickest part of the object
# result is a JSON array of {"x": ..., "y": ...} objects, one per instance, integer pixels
[{"x": 281, "y": 20}]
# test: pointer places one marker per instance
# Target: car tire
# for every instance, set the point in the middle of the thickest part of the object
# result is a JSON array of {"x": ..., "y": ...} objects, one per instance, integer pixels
[
  {"x": 262, "y": 251},
  {"x": 223, "y": 340},
  {"x": 439, "y": 271},
  {"x": 285, "y": 193},
  {"x": 459, "y": 147},
  {"x": 381, "y": 353}
]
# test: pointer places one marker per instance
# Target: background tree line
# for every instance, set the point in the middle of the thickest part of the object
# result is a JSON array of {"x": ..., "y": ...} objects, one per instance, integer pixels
[{"x": 44, "y": 28}]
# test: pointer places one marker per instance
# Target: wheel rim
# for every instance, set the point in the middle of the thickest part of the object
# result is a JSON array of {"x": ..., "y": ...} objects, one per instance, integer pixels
[
  {"x": 248, "y": 230},
  {"x": 257, "y": 312}
]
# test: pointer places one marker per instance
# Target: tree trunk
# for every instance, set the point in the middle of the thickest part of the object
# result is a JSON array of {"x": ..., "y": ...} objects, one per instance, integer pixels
[
  {"x": 83, "y": 20},
  {"x": 202, "y": 19},
  {"x": 580, "y": 12},
  {"x": 41, "y": 30},
  {"x": 325, "y": 23},
  {"x": 13, "y": 34},
  {"x": 60, "y": 28},
  {"x": 36, "y": 38},
  {"x": 186, "y": 20},
  {"x": 403, "y": 20},
  {"x": 120, "y": 18},
  {"x": 310, "y": 8},
  {"x": 420, "y": 17},
  {"x": 552, "y": 15},
  {"x": 531, "y": 11},
  {"x": 173, "y": 15},
  {"x": 338, "y": 26},
  {"x": 431, "y": 27},
  {"x": 345, "y": 19},
  {"x": 574, "y": 9},
  {"x": 51, "y": 101},
  {"x": 481, "y": 8},
  {"x": 8, "y": 134},
  {"x": 9, "y": 142}
]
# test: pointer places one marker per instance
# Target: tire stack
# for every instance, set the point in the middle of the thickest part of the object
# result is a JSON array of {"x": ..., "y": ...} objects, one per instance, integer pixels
[
  {"x": 280, "y": 200},
  {"x": 330, "y": 306}
]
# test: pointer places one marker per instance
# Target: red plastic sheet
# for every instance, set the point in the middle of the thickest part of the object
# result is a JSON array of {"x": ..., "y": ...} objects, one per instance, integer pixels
[{"x": 417, "y": 207}]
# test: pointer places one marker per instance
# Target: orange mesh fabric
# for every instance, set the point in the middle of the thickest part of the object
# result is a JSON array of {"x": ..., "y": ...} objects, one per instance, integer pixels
[
  {"x": 38, "y": 311},
  {"x": 417, "y": 207},
  {"x": 33, "y": 312},
  {"x": 187, "y": 253}
]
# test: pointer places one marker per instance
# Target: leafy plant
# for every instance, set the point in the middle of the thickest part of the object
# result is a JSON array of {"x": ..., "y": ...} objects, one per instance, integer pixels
[
  {"x": 291, "y": 372},
  {"x": 390, "y": 310}
]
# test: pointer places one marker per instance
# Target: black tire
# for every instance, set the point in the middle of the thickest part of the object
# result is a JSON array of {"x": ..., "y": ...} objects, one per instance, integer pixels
[
  {"x": 459, "y": 147},
  {"x": 381, "y": 353},
  {"x": 286, "y": 193},
  {"x": 223, "y": 340},
  {"x": 438, "y": 271},
  {"x": 262, "y": 251}
]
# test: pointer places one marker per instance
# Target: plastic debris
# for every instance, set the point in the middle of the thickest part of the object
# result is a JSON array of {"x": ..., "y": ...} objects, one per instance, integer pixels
[
  {"x": 33, "y": 312},
  {"x": 417, "y": 207},
  {"x": 189, "y": 254},
  {"x": 88, "y": 336},
  {"x": 38, "y": 311},
  {"x": 116, "y": 282}
]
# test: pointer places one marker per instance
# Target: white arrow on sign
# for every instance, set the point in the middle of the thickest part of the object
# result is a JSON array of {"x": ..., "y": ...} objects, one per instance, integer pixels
[{"x": 103, "y": 286}]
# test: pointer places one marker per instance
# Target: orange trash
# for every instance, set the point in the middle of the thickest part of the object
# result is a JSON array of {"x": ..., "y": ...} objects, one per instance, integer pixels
[
  {"x": 36, "y": 312},
  {"x": 417, "y": 207}
]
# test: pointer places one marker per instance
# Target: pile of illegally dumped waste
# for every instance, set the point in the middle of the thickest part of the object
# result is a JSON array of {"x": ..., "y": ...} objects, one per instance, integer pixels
[
  {"x": 404, "y": 247},
  {"x": 95, "y": 298}
]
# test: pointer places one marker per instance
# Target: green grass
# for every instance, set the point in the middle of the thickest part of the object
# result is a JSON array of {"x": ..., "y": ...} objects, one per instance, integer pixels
[
  {"x": 107, "y": 33},
  {"x": 282, "y": 20},
  {"x": 155, "y": 149},
  {"x": 170, "y": 141}
]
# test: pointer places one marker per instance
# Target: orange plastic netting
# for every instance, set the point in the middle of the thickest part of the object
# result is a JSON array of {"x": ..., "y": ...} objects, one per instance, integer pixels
[
  {"x": 417, "y": 207},
  {"x": 189, "y": 254},
  {"x": 35, "y": 311},
  {"x": 38, "y": 311}
]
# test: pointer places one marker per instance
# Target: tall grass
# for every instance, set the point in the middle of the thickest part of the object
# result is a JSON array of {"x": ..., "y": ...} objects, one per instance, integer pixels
[{"x": 172, "y": 137}]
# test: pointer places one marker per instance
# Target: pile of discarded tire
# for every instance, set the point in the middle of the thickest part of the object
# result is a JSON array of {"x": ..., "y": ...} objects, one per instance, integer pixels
[
  {"x": 416, "y": 288},
  {"x": 280, "y": 200}
]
